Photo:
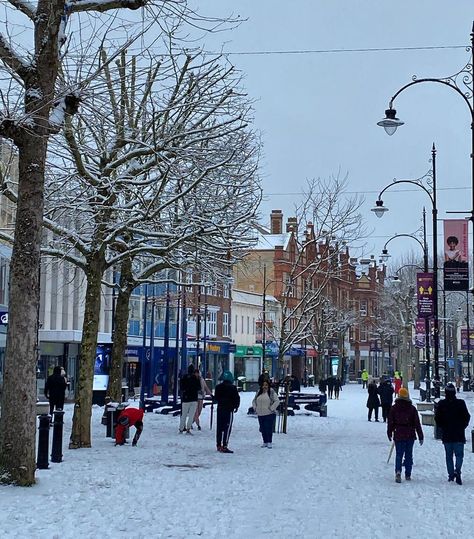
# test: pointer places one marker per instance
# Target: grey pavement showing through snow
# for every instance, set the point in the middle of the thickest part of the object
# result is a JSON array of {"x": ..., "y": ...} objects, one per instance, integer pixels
[{"x": 326, "y": 477}]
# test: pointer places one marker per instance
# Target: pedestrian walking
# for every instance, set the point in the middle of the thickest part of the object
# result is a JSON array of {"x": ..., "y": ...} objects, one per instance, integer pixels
[
  {"x": 55, "y": 390},
  {"x": 365, "y": 378},
  {"x": 397, "y": 381},
  {"x": 203, "y": 391},
  {"x": 189, "y": 387},
  {"x": 452, "y": 416},
  {"x": 127, "y": 418},
  {"x": 385, "y": 391},
  {"x": 265, "y": 404},
  {"x": 322, "y": 385},
  {"x": 404, "y": 426},
  {"x": 337, "y": 387},
  {"x": 228, "y": 402},
  {"x": 373, "y": 401},
  {"x": 330, "y": 382}
]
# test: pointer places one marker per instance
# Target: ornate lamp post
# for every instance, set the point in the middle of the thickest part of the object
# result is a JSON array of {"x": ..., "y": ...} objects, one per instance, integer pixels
[{"x": 428, "y": 184}]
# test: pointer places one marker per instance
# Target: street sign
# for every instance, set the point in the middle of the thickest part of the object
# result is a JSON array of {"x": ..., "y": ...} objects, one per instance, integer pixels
[{"x": 4, "y": 318}]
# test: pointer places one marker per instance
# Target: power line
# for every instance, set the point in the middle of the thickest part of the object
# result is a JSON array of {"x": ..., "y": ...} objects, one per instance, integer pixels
[
  {"x": 372, "y": 192},
  {"x": 339, "y": 51}
]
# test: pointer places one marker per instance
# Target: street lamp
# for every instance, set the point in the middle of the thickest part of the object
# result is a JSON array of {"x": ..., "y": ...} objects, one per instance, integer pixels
[
  {"x": 462, "y": 83},
  {"x": 430, "y": 189}
]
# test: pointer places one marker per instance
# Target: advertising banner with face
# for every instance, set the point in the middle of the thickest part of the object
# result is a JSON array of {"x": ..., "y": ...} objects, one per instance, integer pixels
[{"x": 456, "y": 270}]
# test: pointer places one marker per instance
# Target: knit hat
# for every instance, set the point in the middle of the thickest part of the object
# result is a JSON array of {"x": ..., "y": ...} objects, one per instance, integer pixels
[{"x": 403, "y": 393}]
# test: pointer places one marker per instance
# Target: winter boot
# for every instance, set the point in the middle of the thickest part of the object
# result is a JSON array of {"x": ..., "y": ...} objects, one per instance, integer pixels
[
  {"x": 408, "y": 477},
  {"x": 398, "y": 477},
  {"x": 189, "y": 432},
  {"x": 450, "y": 478},
  {"x": 219, "y": 448},
  {"x": 458, "y": 478},
  {"x": 225, "y": 449},
  {"x": 264, "y": 445},
  {"x": 269, "y": 445}
]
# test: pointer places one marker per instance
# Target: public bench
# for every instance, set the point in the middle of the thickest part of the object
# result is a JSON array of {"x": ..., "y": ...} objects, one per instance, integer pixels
[{"x": 312, "y": 402}]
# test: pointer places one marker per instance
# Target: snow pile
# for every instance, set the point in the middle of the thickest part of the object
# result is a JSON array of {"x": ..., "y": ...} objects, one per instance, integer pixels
[{"x": 327, "y": 476}]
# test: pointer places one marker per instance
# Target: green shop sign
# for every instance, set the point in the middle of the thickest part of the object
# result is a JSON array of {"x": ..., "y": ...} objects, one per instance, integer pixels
[{"x": 241, "y": 351}]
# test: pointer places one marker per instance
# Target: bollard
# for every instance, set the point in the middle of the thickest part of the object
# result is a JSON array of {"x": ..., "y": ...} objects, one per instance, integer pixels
[
  {"x": 43, "y": 442},
  {"x": 57, "y": 447},
  {"x": 472, "y": 440},
  {"x": 109, "y": 431}
]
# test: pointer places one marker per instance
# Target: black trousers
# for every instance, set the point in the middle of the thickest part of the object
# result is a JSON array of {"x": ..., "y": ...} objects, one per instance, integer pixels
[
  {"x": 376, "y": 410},
  {"x": 224, "y": 422},
  {"x": 385, "y": 411}
]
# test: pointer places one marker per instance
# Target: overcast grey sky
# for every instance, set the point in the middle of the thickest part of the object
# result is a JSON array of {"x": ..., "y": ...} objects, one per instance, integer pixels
[{"x": 318, "y": 111}]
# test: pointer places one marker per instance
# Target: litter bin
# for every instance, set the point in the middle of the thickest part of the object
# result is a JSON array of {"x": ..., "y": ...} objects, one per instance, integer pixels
[{"x": 113, "y": 411}]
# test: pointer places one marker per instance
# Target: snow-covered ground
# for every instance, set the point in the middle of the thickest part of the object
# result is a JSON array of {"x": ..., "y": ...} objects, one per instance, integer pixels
[{"x": 327, "y": 477}]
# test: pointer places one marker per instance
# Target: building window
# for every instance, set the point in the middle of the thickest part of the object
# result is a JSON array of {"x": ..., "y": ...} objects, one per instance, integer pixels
[
  {"x": 363, "y": 308},
  {"x": 248, "y": 325},
  {"x": 236, "y": 327},
  {"x": 253, "y": 326},
  {"x": 212, "y": 324},
  {"x": 226, "y": 290},
  {"x": 363, "y": 333},
  {"x": 225, "y": 325},
  {"x": 242, "y": 324}
]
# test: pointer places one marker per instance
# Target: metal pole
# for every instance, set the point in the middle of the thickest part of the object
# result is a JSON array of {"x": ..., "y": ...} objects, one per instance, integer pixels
[
  {"x": 204, "y": 339},
  {"x": 468, "y": 338},
  {"x": 427, "y": 320},
  {"x": 264, "y": 322},
  {"x": 144, "y": 354},
  {"x": 151, "y": 378},
  {"x": 435, "y": 270},
  {"x": 57, "y": 447},
  {"x": 198, "y": 325},
  {"x": 166, "y": 349},
  {"x": 445, "y": 337},
  {"x": 184, "y": 330},
  {"x": 176, "y": 356}
]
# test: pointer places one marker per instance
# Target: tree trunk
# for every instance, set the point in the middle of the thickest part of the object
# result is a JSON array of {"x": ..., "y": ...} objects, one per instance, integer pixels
[
  {"x": 18, "y": 418},
  {"x": 81, "y": 422},
  {"x": 120, "y": 332}
]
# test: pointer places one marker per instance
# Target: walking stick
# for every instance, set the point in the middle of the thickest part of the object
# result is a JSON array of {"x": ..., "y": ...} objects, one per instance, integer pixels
[{"x": 391, "y": 451}]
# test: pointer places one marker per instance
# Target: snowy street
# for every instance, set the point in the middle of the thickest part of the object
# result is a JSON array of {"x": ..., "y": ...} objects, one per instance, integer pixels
[{"x": 326, "y": 477}]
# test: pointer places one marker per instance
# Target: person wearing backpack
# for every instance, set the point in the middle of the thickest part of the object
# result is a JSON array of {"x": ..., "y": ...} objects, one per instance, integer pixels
[{"x": 265, "y": 403}]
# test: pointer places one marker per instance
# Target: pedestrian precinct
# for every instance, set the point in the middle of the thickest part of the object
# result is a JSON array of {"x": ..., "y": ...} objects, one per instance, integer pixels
[
  {"x": 265, "y": 403},
  {"x": 337, "y": 387},
  {"x": 228, "y": 402},
  {"x": 404, "y": 426},
  {"x": 385, "y": 391},
  {"x": 365, "y": 378},
  {"x": 452, "y": 416},
  {"x": 55, "y": 390},
  {"x": 126, "y": 419},
  {"x": 373, "y": 401},
  {"x": 203, "y": 391},
  {"x": 189, "y": 387}
]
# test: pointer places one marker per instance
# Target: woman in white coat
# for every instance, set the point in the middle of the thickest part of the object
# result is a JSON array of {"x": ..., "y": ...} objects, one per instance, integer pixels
[{"x": 265, "y": 403}]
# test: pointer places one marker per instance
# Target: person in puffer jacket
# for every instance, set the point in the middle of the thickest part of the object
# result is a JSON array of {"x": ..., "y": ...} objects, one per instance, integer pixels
[{"x": 265, "y": 403}]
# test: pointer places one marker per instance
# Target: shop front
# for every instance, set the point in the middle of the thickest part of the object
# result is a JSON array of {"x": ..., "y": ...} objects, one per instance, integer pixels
[{"x": 247, "y": 362}]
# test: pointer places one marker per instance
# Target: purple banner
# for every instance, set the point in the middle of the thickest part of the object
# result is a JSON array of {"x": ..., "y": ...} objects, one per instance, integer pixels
[
  {"x": 424, "y": 294},
  {"x": 420, "y": 335},
  {"x": 464, "y": 341}
]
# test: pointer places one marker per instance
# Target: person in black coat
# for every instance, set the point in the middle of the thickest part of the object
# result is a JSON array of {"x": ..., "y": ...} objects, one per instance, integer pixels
[
  {"x": 189, "y": 387},
  {"x": 373, "y": 402},
  {"x": 330, "y": 382},
  {"x": 295, "y": 383},
  {"x": 228, "y": 402},
  {"x": 386, "y": 391},
  {"x": 322, "y": 385},
  {"x": 337, "y": 387},
  {"x": 55, "y": 390},
  {"x": 452, "y": 416}
]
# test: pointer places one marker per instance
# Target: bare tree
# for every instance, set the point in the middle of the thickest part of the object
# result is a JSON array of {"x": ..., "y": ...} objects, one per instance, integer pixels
[{"x": 35, "y": 101}]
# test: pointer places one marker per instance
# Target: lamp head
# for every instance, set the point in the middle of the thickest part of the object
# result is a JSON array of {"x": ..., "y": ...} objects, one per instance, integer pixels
[
  {"x": 385, "y": 255},
  {"x": 390, "y": 123},
  {"x": 379, "y": 209}
]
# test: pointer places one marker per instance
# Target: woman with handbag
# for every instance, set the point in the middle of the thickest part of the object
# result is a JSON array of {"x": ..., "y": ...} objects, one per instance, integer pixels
[
  {"x": 265, "y": 403},
  {"x": 201, "y": 394}
]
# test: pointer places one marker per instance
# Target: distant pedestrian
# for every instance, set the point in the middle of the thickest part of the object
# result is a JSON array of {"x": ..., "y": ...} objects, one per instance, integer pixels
[
  {"x": 337, "y": 387},
  {"x": 330, "y": 386},
  {"x": 397, "y": 381},
  {"x": 126, "y": 419},
  {"x": 55, "y": 390},
  {"x": 385, "y": 391},
  {"x": 228, "y": 402},
  {"x": 365, "y": 378},
  {"x": 295, "y": 383},
  {"x": 373, "y": 402},
  {"x": 403, "y": 426},
  {"x": 189, "y": 387},
  {"x": 458, "y": 384},
  {"x": 452, "y": 416},
  {"x": 265, "y": 403},
  {"x": 322, "y": 385},
  {"x": 201, "y": 394}
]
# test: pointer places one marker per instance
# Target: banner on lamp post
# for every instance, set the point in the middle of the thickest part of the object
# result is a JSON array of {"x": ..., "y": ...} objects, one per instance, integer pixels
[
  {"x": 420, "y": 335},
  {"x": 424, "y": 294},
  {"x": 455, "y": 267},
  {"x": 467, "y": 338}
]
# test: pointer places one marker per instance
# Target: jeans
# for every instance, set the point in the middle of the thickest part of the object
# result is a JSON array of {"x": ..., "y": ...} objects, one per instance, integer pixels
[
  {"x": 266, "y": 427},
  {"x": 454, "y": 449},
  {"x": 404, "y": 448},
  {"x": 188, "y": 409}
]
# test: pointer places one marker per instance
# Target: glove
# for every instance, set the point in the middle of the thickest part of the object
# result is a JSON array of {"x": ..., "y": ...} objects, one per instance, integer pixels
[{"x": 421, "y": 442}]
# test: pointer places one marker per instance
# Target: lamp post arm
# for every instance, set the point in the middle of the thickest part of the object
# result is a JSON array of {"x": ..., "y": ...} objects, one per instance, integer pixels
[
  {"x": 445, "y": 82},
  {"x": 406, "y": 236},
  {"x": 413, "y": 182}
]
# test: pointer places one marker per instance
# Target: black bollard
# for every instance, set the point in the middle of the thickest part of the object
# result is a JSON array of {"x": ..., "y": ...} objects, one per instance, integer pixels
[
  {"x": 472, "y": 440},
  {"x": 57, "y": 448},
  {"x": 42, "y": 462}
]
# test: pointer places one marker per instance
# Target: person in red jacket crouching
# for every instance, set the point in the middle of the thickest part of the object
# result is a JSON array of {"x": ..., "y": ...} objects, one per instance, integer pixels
[{"x": 129, "y": 417}]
